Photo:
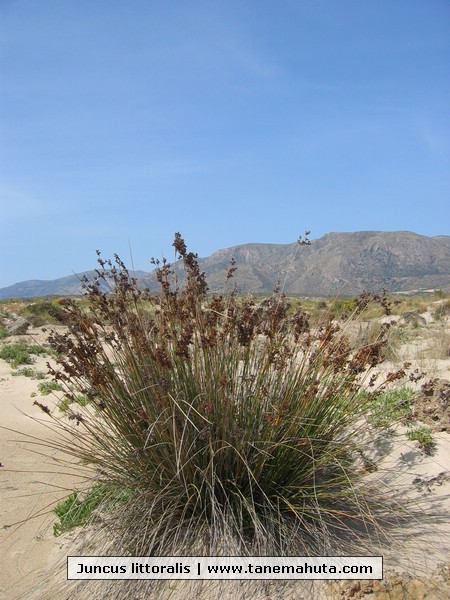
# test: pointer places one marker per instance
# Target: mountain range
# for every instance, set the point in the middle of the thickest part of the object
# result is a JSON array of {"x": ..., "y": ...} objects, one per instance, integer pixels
[{"x": 337, "y": 264}]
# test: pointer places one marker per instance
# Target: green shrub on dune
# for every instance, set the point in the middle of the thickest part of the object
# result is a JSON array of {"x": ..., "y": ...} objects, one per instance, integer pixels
[{"x": 20, "y": 353}]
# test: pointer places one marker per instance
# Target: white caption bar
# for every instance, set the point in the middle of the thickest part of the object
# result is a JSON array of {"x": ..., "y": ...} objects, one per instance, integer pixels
[{"x": 224, "y": 567}]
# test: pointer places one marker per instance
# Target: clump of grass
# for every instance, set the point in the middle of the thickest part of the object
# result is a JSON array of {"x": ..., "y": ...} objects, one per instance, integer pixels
[
  {"x": 442, "y": 310},
  {"x": 440, "y": 294},
  {"x": 20, "y": 353},
  {"x": 439, "y": 346},
  {"x": 397, "y": 338},
  {"x": 404, "y": 304},
  {"x": 217, "y": 414}
]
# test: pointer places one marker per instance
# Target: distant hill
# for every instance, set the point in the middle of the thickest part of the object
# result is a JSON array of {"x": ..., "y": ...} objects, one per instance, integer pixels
[
  {"x": 334, "y": 265},
  {"x": 63, "y": 286}
]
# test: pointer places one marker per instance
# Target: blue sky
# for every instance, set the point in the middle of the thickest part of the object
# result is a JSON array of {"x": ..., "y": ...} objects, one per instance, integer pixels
[{"x": 231, "y": 121}]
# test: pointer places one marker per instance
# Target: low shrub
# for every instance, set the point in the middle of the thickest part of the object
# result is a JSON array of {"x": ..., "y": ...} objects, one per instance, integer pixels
[
  {"x": 442, "y": 310},
  {"x": 46, "y": 387},
  {"x": 391, "y": 407},
  {"x": 78, "y": 509},
  {"x": 28, "y": 372},
  {"x": 424, "y": 436},
  {"x": 43, "y": 312},
  {"x": 3, "y": 333},
  {"x": 20, "y": 353}
]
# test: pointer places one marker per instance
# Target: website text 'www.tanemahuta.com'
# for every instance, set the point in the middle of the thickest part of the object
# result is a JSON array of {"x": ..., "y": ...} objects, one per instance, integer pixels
[{"x": 224, "y": 567}]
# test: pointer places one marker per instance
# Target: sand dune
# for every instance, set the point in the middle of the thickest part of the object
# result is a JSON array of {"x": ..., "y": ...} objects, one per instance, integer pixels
[{"x": 32, "y": 480}]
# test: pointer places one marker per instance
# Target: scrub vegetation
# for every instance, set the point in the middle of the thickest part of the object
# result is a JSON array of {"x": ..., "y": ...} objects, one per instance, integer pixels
[{"x": 20, "y": 353}]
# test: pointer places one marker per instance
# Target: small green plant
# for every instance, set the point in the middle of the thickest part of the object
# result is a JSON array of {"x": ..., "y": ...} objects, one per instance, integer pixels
[
  {"x": 16, "y": 354},
  {"x": 36, "y": 349},
  {"x": 389, "y": 408},
  {"x": 80, "y": 399},
  {"x": 68, "y": 513},
  {"x": 77, "y": 509},
  {"x": 20, "y": 353},
  {"x": 23, "y": 372},
  {"x": 64, "y": 404},
  {"x": 423, "y": 435},
  {"x": 28, "y": 372},
  {"x": 49, "y": 386}
]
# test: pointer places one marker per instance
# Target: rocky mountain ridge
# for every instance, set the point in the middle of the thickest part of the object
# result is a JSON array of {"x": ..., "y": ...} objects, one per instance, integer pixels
[{"x": 337, "y": 264}]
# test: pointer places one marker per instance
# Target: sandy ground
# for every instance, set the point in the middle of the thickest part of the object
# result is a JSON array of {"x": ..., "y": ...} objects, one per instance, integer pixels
[{"x": 32, "y": 481}]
